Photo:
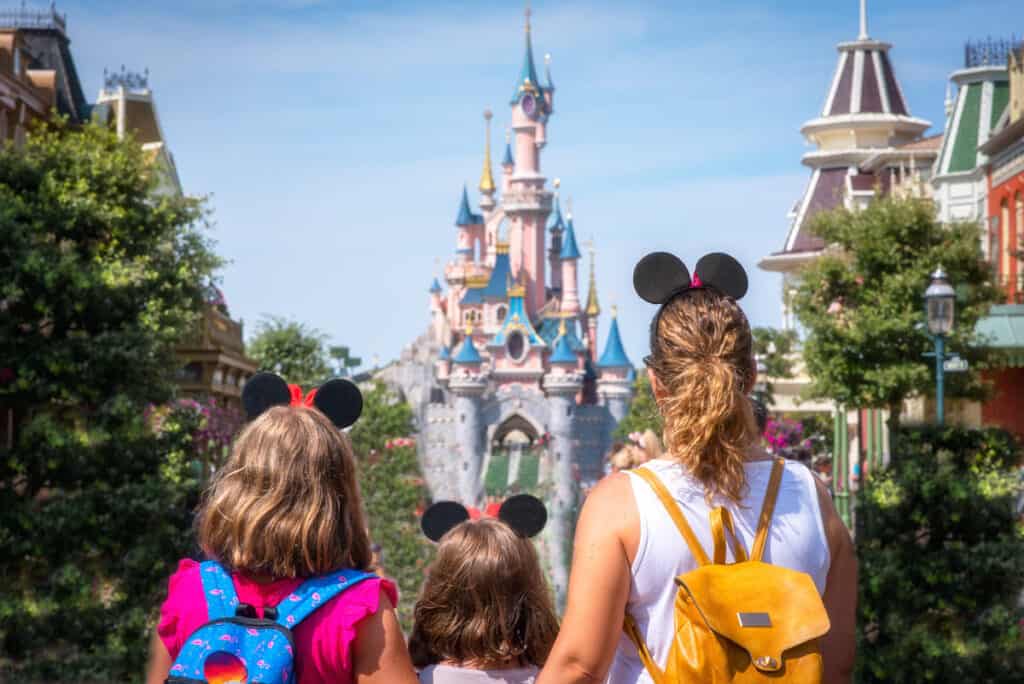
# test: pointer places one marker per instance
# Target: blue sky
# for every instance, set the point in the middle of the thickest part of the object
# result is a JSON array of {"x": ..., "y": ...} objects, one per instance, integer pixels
[{"x": 334, "y": 137}]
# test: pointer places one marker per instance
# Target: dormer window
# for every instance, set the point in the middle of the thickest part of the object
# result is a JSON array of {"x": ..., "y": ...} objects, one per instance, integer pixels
[{"x": 516, "y": 346}]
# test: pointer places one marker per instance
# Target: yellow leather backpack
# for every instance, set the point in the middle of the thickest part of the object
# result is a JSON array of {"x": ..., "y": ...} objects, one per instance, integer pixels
[{"x": 742, "y": 622}]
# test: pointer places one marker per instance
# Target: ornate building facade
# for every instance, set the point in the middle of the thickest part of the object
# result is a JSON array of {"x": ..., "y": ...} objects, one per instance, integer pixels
[{"x": 509, "y": 387}]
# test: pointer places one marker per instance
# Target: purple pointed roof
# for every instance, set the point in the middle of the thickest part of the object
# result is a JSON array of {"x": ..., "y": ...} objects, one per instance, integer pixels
[{"x": 864, "y": 82}]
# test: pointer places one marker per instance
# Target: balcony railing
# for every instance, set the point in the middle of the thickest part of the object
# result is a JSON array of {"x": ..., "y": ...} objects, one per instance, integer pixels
[
  {"x": 24, "y": 18},
  {"x": 989, "y": 52}
]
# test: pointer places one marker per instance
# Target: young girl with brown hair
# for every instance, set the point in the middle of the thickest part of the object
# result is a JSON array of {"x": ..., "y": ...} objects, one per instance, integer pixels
[
  {"x": 283, "y": 514},
  {"x": 485, "y": 613},
  {"x": 628, "y": 552}
]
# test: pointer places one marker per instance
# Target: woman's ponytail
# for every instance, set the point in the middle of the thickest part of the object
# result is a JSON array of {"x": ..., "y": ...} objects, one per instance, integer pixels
[{"x": 701, "y": 355}]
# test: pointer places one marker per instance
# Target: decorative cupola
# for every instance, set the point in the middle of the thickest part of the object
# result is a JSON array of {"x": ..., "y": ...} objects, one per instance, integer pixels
[
  {"x": 864, "y": 113},
  {"x": 516, "y": 348}
]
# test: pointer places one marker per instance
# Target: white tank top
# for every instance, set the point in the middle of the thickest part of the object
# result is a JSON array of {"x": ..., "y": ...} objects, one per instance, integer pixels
[{"x": 796, "y": 540}]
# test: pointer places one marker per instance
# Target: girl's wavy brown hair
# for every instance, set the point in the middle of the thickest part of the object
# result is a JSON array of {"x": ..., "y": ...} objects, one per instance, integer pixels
[
  {"x": 286, "y": 503},
  {"x": 484, "y": 600},
  {"x": 702, "y": 356}
]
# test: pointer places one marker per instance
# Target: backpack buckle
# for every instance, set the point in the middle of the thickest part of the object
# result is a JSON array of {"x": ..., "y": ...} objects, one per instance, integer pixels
[{"x": 244, "y": 610}]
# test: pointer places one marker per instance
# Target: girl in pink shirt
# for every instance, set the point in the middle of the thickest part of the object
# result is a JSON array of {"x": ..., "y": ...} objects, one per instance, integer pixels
[{"x": 285, "y": 508}]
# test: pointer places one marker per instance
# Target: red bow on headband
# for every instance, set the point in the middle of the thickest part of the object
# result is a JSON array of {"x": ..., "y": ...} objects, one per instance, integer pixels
[
  {"x": 298, "y": 399},
  {"x": 696, "y": 281}
]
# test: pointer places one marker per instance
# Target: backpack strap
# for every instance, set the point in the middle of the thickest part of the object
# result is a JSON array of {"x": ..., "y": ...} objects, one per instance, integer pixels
[
  {"x": 633, "y": 632},
  {"x": 767, "y": 509},
  {"x": 673, "y": 510},
  {"x": 218, "y": 589},
  {"x": 314, "y": 593},
  {"x": 722, "y": 528}
]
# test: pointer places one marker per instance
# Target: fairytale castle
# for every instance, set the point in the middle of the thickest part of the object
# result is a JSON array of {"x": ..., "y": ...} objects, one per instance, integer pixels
[{"x": 510, "y": 386}]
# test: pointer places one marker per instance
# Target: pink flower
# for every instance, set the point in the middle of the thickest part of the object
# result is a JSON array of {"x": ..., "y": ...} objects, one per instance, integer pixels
[
  {"x": 316, "y": 597},
  {"x": 294, "y": 598},
  {"x": 196, "y": 642},
  {"x": 835, "y": 307},
  {"x": 251, "y": 632}
]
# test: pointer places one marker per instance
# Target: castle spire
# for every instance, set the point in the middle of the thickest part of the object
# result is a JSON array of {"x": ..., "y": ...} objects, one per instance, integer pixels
[
  {"x": 550, "y": 85},
  {"x": 863, "y": 20},
  {"x": 487, "y": 186},
  {"x": 593, "y": 308},
  {"x": 614, "y": 355},
  {"x": 508, "y": 162},
  {"x": 528, "y": 81}
]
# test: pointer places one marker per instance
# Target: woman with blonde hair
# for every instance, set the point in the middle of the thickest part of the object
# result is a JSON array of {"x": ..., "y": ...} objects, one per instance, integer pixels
[{"x": 626, "y": 553}]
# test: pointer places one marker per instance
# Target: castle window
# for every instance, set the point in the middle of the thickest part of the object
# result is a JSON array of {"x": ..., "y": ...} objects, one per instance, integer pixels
[
  {"x": 501, "y": 313},
  {"x": 516, "y": 346}
]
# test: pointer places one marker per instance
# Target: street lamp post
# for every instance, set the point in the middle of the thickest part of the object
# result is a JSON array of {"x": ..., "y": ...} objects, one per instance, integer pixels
[{"x": 940, "y": 301}]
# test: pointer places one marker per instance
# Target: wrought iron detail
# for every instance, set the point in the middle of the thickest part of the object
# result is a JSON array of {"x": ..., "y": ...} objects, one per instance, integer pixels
[
  {"x": 25, "y": 18},
  {"x": 129, "y": 80},
  {"x": 990, "y": 52}
]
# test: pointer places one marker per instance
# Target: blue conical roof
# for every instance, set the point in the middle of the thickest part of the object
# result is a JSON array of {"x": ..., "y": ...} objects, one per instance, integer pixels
[
  {"x": 501, "y": 274},
  {"x": 563, "y": 352},
  {"x": 466, "y": 216},
  {"x": 528, "y": 73},
  {"x": 556, "y": 217},
  {"x": 435, "y": 287},
  {"x": 614, "y": 355},
  {"x": 508, "y": 160},
  {"x": 569, "y": 248},
  {"x": 467, "y": 352},
  {"x": 445, "y": 354}
]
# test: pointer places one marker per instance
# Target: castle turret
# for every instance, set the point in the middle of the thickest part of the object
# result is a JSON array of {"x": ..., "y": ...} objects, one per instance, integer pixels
[
  {"x": 614, "y": 384},
  {"x": 467, "y": 384},
  {"x": 562, "y": 385},
  {"x": 557, "y": 227},
  {"x": 527, "y": 204},
  {"x": 470, "y": 227},
  {"x": 508, "y": 163},
  {"x": 569, "y": 257}
]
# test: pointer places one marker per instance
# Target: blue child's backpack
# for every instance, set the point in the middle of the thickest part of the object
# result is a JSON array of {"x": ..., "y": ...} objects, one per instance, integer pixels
[{"x": 237, "y": 647}]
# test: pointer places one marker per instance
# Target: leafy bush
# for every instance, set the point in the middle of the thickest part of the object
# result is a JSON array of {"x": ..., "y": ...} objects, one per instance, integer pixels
[
  {"x": 942, "y": 561},
  {"x": 393, "y": 491}
]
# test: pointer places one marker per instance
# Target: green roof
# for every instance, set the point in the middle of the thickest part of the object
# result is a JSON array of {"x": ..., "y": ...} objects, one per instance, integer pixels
[
  {"x": 1000, "y": 98},
  {"x": 965, "y": 147},
  {"x": 1002, "y": 330}
]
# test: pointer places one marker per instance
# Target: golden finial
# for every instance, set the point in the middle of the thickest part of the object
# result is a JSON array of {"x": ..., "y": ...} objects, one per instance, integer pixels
[
  {"x": 615, "y": 310},
  {"x": 557, "y": 183},
  {"x": 487, "y": 186},
  {"x": 508, "y": 135},
  {"x": 568, "y": 207},
  {"x": 469, "y": 330},
  {"x": 528, "y": 13},
  {"x": 561, "y": 327}
]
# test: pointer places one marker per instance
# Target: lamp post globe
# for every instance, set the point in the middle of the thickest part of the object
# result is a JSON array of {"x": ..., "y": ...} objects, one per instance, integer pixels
[{"x": 940, "y": 301}]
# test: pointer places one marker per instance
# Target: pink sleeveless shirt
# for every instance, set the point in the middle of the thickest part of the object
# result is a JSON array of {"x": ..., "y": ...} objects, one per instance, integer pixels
[{"x": 323, "y": 641}]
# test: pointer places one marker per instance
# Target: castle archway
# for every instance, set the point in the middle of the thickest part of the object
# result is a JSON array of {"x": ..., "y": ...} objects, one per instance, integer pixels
[{"x": 514, "y": 462}]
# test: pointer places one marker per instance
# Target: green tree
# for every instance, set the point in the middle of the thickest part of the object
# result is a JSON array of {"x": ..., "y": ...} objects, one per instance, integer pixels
[
  {"x": 861, "y": 303},
  {"x": 291, "y": 349},
  {"x": 941, "y": 551},
  {"x": 99, "y": 279},
  {"x": 643, "y": 412},
  {"x": 393, "y": 489}
]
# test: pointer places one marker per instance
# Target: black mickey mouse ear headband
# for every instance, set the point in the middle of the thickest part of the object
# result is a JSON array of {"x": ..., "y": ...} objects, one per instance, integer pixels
[
  {"x": 338, "y": 399},
  {"x": 659, "y": 276},
  {"x": 523, "y": 513}
]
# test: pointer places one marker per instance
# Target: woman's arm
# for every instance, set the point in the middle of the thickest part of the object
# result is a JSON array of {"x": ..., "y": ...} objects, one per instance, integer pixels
[
  {"x": 839, "y": 646},
  {"x": 379, "y": 654},
  {"x": 598, "y": 586},
  {"x": 159, "y": 664}
]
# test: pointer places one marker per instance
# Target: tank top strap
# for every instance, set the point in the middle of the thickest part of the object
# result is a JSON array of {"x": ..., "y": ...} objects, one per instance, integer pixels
[{"x": 675, "y": 513}]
